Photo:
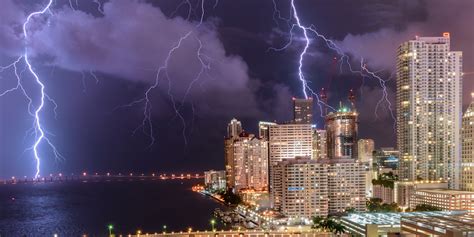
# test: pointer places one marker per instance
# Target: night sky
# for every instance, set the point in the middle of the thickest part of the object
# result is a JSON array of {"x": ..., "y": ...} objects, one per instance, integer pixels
[{"x": 126, "y": 42}]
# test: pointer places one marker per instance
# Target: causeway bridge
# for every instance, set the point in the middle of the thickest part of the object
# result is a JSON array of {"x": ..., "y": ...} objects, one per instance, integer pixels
[{"x": 96, "y": 177}]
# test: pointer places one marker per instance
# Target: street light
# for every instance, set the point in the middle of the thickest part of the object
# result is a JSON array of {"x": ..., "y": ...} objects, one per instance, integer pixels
[
  {"x": 213, "y": 222},
  {"x": 110, "y": 227},
  {"x": 164, "y": 228}
]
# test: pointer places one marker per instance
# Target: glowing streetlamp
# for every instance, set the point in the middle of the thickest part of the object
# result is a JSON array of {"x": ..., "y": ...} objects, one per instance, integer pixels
[
  {"x": 164, "y": 228},
  {"x": 213, "y": 222},
  {"x": 110, "y": 228}
]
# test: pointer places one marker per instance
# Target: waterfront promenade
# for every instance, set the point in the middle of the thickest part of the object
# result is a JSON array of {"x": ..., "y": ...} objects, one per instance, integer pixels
[{"x": 233, "y": 233}]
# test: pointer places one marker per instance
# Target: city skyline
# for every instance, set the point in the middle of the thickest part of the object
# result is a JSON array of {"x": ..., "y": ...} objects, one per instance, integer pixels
[
  {"x": 94, "y": 107},
  {"x": 272, "y": 118}
]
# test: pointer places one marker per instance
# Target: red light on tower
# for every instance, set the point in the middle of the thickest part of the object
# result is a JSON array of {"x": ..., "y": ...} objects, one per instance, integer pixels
[{"x": 446, "y": 34}]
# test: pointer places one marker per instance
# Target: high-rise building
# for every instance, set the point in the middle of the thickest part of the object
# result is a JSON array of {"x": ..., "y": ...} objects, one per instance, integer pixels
[
  {"x": 341, "y": 132},
  {"x": 234, "y": 128},
  {"x": 215, "y": 179},
  {"x": 229, "y": 162},
  {"x": 365, "y": 150},
  {"x": 288, "y": 141},
  {"x": 429, "y": 89},
  {"x": 303, "y": 111},
  {"x": 246, "y": 159},
  {"x": 264, "y": 129},
  {"x": 319, "y": 144},
  {"x": 467, "y": 164},
  {"x": 250, "y": 163},
  {"x": 300, "y": 188},
  {"x": 346, "y": 185},
  {"x": 386, "y": 157}
]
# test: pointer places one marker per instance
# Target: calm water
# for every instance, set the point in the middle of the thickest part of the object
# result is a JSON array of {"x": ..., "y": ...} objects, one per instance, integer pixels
[{"x": 75, "y": 208}]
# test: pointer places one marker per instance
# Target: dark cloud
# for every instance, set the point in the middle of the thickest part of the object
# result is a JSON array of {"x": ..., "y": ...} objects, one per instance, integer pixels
[{"x": 127, "y": 44}]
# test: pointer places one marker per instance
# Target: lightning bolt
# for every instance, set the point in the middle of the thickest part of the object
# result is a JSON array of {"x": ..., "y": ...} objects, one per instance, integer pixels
[
  {"x": 162, "y": 71},
  {"x": 344, "y": 58},
  {"x": 39, "y": 132}
]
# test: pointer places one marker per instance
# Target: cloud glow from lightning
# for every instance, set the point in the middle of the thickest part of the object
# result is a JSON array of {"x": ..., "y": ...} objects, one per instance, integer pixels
[
  {"x": 344, "y": 58},
  {"x": 147, "y": 125},
  {"x": 38, "y": 130}
]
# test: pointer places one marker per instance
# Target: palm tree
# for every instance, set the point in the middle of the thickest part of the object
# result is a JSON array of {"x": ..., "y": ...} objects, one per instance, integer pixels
[
  {"x": 339, "y": 229},
  {"x": 317, "y": 221},
  {"x": 330, "y": 224}
]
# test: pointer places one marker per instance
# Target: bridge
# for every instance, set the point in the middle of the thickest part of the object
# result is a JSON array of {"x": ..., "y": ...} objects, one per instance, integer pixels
[{"x": 96, "y": 177}]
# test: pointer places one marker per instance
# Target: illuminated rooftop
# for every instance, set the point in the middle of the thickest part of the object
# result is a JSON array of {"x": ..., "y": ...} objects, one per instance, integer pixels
[{"x": 393, "y": 218}]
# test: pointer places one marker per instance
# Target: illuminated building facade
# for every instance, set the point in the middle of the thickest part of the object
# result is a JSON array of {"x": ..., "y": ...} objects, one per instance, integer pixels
[
  {"x": 250, "y": 163},
  {"x": 467, "y": 164},
  {"x": 445, "y": 199},
  {"x": 341, "y": 132},
  {"x": 404, "y": 190},
  {"x": 319, "y": 144},
  {"x": 365, "y": 150},
  {"x": 215, "y": 179},
  {"x": 300, "y": 188},
  {"x": 429, "y": 89},
  {"x": 288, "y": 141},
  {"x": 303, "y": 111},
  {"x": 234, "y": 128},
  {"x": 246, "y": 159},
  {"x": 346, "y": 185},
  {"x": 386, "y": 157},
  {"x": 264, "y": 129}
]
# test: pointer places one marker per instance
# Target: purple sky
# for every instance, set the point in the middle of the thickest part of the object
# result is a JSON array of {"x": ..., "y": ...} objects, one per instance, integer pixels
[{"x": 222, "y": 69}]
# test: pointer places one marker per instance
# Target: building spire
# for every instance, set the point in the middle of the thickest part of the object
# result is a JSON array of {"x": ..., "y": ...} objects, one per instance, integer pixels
[
  {"x": 324, "y": 98},
  {"x": 352, "y": 99}
]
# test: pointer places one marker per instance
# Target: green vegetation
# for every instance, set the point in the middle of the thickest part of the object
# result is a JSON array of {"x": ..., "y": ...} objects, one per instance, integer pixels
[
  {"x": 350, "y": 210},
  {"x": 387, "y": 180},
  {"x": 230, "y": 197},
  {"x": 426, "y": 207},
  {"x": 328, "y": 224},
  {"x": 376, "y": 205}
]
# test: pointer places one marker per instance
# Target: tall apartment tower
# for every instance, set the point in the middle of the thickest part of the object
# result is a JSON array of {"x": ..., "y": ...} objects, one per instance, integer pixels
[
  {"x": 365, "y": 150},
  {"x": 429, "y": 90},
  {"x": 341, "y": 132},
  {"x": 303, "y": 111},
  {"x": 467, "y": 164},
  {"x": 319, "y": 144},
  {"x": 288, "y": 141},
  {"x": 234, "y": 128},
  {"x": 264, "y": 129},
  {"x": 250, "y": 163},
  {"x": 300, "y": 188},
  {"x": 246, "y": 162}
]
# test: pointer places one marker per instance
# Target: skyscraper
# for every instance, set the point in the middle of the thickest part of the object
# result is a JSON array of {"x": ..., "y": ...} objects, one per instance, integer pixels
[
  {"x": 303, "y": 111},
  {"x": 429, "y": 89},
  {"x": 234, "y": 128},
  {"x": 288, "y": 141},
  {"x": 467, "y": 164},
  {"x": 319, "y": 144},
  {"x": 341, "y": 132},
  {"x": 300, "y": 188},
  {"x": 365, "y": 149},
  {"x": 250, "y": 162},
  {"x": 264, "y": 129},
  {"x": 246, "y": 162}
]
